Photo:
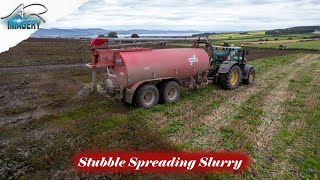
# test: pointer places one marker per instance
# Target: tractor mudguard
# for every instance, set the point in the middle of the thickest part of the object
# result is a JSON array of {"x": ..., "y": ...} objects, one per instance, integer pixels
[
  {"x": 226, "y": 66},
  {"x": 246, "y": 71}
]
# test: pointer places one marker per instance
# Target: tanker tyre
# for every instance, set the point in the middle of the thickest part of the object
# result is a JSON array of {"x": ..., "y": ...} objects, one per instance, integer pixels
[
  {"x": 146, "y": 96},
  {"x": 169, "y": 92},
  {"x": 232, "y": 79}
]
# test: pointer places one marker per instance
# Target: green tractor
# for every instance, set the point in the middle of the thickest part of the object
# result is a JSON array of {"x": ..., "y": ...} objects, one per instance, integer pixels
[{"x": 229, "y": 66}]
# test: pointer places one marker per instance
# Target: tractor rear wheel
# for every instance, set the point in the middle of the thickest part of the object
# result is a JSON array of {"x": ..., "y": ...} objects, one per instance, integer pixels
[
  {"x": 169, "y": 92},
  {"x": 146, "y": 96},
  {"x": 231, "y": 80},
  {"x": 251, "y": 77}
]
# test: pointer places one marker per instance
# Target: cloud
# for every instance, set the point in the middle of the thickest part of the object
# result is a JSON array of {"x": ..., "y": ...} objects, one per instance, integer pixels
[{"x": 218, "y": 15}]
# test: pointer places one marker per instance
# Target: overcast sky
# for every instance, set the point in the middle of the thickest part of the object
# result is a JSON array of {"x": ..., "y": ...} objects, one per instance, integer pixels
[{"x": 205, "y": 15}]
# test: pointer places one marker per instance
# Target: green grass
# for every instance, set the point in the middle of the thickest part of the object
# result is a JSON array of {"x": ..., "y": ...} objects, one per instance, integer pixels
[
  {"x": 252, "y": 36},
  {"x": 294, "y": 45},
  {"x": 237, "y": 35},
  {"x": 236, "y": 135},
  {"x": 175, "y": 126},
  {"x": 263, "y": 65},
  {"x": 110, "y": 123},
  {"x": 301, "y": 140},
  {"x": 89, "y": 110}
]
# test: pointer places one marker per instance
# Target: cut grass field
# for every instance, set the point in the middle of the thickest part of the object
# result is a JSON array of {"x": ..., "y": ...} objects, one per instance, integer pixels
[
  {"x": 231, "y": 35},
  {"x": 292, "y": 45},
  {"x": 276, "y": 121},
  {"x": 253, "y": 36}
]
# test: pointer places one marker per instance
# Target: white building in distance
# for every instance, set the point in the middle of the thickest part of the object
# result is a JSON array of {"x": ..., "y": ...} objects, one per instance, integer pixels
[{"x": 316, "y": 31}]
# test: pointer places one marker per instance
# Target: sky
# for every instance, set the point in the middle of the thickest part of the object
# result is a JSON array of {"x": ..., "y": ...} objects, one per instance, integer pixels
[{"x": 203, "y": 15}]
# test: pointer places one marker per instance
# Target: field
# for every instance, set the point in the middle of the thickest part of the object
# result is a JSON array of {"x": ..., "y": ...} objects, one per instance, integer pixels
[
  {"x": 292, "y": 45},
  {"x": 259, "y": 39},
  {"x": 47, "y": 113}
]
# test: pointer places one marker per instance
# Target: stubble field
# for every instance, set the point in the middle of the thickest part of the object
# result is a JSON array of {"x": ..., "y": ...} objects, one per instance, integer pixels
[{"x": 47, "y": 113}]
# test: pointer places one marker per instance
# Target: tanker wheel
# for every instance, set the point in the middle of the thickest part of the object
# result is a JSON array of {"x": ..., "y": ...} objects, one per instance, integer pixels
[
  {"x": 146, "y": 96},
  {"x": 231, "y": 80},
  {"x": 251, "y": 77},
  {"x": 169, "y": 91}
]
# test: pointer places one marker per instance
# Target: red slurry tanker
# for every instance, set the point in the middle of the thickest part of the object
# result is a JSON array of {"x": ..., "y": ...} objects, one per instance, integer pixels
[{"x": 146, "y": 77}]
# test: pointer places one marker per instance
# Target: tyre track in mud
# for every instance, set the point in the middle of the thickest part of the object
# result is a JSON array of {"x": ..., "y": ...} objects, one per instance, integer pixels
[
  {"x": 226, "y": 111},
  {"x": 224, "y": 114},
  {"x": 39, "y": 112},
  {"x": 27, "y": 69},
  {"x": 272, "y": 108},
  {"x": 298, "y": 125},
  {"x": 238, "y": 95},
  {"x": 26, "y": 99}
]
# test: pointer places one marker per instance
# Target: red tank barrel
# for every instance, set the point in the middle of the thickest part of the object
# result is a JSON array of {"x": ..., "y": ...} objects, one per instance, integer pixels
[
  {"x": 127, "y": 68},
  {"x": 180, "y": 64}
]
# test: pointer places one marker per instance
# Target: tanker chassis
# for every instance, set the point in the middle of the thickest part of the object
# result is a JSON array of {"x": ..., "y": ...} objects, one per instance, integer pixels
[{"x": 145, "y": 77}]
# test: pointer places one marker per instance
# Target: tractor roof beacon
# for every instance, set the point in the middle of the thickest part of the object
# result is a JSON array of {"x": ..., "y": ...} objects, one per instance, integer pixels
[{"x": 145, "y": 77}]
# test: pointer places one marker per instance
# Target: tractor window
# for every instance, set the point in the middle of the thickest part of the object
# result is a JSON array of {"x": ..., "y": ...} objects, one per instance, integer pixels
[
  {"x": 232, "y": 53},
  {"x": 219, "y": 53}
]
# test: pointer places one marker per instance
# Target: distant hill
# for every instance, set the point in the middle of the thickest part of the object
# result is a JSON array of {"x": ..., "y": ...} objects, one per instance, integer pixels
[
  {"x": 68, "y": 33},
  {"x": 293, "y": 30},
  {"x": 143, "y": 31},
  {"x": 94, "y": 32},
  {"x": 204, "y": 34}
]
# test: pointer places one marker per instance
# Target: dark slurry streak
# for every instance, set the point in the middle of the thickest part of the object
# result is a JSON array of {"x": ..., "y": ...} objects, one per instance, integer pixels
[{"x": 41, "y": 68}]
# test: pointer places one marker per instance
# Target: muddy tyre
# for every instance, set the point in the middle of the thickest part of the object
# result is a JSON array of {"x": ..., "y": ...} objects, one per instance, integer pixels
[
  {"x": 232, "y": 79},
  {"x": 146, "y": 96},
  {"x": 169, "y": 92},
  {"x": 251, "y": 77}
]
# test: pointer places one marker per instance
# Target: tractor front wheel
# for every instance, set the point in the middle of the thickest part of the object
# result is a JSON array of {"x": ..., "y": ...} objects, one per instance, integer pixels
[
  {"x": 251, "y": 77},
  {"x": 231, "y": 80}
]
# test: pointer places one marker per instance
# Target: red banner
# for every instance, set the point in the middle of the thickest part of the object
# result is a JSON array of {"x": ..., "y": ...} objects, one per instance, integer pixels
[{"x": 131, "y": 162}]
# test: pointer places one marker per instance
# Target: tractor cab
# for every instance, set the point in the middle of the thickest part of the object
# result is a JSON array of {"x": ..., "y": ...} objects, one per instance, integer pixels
[{"x": 223, "y": 53}]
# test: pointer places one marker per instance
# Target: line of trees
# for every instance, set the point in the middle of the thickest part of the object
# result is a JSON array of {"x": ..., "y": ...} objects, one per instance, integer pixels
[{"x": 293, "y": 30}]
